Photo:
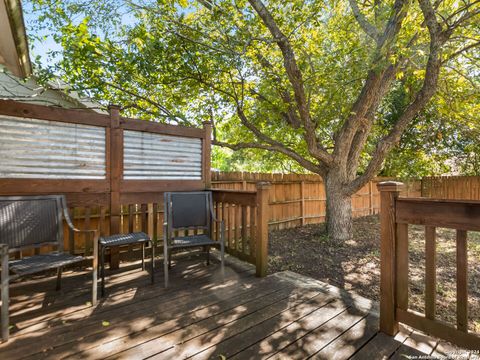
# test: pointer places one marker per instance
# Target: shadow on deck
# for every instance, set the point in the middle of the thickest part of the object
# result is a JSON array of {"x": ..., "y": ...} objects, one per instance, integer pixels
[{"x": 284, "y": 315}]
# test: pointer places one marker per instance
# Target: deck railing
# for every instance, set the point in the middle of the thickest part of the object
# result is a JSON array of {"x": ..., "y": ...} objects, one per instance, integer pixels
[
  {"x": 245, "y": 214},
  {"x": 395, "y": 216},
  {"x": 114, "y": 170}
]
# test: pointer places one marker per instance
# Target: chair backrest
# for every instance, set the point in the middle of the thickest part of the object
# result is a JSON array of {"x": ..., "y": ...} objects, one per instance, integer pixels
[
  {"x": 29, "y": 221},
  {"x": 188, "y": 210}
]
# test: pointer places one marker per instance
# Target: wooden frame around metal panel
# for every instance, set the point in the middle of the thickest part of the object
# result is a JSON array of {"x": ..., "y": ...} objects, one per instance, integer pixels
[{"x": 113, "y": 191}]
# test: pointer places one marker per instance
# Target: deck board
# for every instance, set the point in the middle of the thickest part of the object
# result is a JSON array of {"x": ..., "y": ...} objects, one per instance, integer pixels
[{"x": 200, "y": 317}]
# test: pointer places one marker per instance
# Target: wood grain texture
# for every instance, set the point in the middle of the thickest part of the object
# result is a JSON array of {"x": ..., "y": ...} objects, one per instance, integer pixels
[
  {"x": 244, "y": 317},
  {"x": 401, "y": 245},
  {"x": 430, "y": 272},
  {"x": 154, "y": 127},
  {"x": 389, "y": 192},
  {"x": 72, "y": 116},
  {"x": 261, "y": 253},
  {"x": 453, "y": 214},
  {"x": 462, "y": 281},
  {"x": 440, "y": 329}
]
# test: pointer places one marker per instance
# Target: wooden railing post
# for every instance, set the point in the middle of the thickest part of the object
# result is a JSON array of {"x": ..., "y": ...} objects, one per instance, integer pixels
[
  {"x": 261, "y": 251},
  {"x": 206, "y": 152},
  {"x": 116, "y": 174},
  {"x": 389, "y": 192}
]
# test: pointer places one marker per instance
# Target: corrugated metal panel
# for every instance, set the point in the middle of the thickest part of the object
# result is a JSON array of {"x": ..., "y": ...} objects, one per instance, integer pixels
[
  {"x": 32, "y": 148},
  {"x": 150, "y": 156}
]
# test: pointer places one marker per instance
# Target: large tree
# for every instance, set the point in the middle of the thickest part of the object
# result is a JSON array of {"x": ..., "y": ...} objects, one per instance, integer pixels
[{"x": 311, "y": 80}]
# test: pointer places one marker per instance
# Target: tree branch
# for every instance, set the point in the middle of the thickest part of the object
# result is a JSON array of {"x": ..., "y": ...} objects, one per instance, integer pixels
[
  {"x": 369, "y": 29},
  {"x": 377, "y": 83},
  {"x": 429, "y": 87},
  {"x": 295, "y": 78},
  {"x": 283, "y": 150}
]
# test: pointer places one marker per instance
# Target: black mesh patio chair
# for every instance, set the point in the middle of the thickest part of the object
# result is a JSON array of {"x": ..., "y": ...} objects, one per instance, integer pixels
[
  {"x": 187, "y": 212},
  {"x": 34, "y": 222}
]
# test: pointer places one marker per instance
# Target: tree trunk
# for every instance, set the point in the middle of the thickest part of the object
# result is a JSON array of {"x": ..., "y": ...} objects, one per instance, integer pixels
[{"x": 339, "y": 210}]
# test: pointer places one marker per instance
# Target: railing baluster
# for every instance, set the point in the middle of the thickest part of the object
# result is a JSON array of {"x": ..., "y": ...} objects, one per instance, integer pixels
[
  {"x": 143, "y": 217},
  {"x": 244, "y": 228},
  {"x": 131, "y": 224},
  {"x": 252, "y": 230},
  {"x": 430, "y": 272},
  {"x": 462, "y": 293},
  {"x": 402, "y": 266},
  {"x": 231, "y": 224},
  {"x": 101, "y": 222},
  {"x": 238, "y": 224},
  {"x": 86, "y": 225},
  {"x": 131, "y": 211}
]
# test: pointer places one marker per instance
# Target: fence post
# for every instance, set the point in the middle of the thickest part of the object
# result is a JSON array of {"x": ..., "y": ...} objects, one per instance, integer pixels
[
  {"x": 207, "y": 162},
  {"x": 261, "y": 251},
  {"x": 116, "y": 174},
  {"x": 389, "y": 192}
]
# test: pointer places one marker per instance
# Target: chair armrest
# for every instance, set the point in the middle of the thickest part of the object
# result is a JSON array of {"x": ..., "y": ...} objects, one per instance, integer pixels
[
  {"x": 222, "y": 229},
  {"x": 71, "y": 226},
  {"x": 3, "y": 248}
]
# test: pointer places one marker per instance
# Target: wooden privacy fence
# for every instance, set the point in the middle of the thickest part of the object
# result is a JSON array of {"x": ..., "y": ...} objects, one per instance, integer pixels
[
  {"x": 299, "y": 199},
  {"x": 396, "y": 214},
  {"x": 451, "y": 187},
  {"x": 114, "y": 171}
]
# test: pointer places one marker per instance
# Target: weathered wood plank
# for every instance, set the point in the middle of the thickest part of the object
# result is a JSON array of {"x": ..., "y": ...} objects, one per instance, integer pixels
[
  {"x": 315, "y": 340},
  {"x": 440, "y": 213},
  {"x": 462, "y": 281},
  {"x": 440, "y": 329},
  {"x": 245, "y": 331},
  {"x": 430, "y": 272},
  {"x": 416, "y": 345},
  {"x": 382, "y": 345},
  {"x": 191, "y": 339},
  {"x": 354, "y": 338},
  {"x": 401, "y": 246},
  {"x": 389, "y": 192},
  {"x": 183, "y": 312}
]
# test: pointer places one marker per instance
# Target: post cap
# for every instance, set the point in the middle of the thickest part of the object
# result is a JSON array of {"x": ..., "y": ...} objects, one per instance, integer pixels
[
  {"x": 206, "y": 123},
  {"x": 263, "y": 185},
  {"x": 390, "y": 186},
  {"x": 114, "y": 107}
]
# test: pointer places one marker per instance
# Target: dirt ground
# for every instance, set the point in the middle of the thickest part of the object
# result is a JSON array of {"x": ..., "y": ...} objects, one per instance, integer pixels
[{"x": 355, "y": 264}]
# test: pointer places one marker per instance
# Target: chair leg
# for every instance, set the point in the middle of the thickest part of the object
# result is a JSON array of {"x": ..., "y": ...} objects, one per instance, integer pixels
[
  {"x": 59, "y": 278},
  {"x": 5, "y": 297},
  {"x": 153, "y": 260},
  {"x": 170, "y": 259},
  {"x": 102, "y": 268},
  {"x": 222, "y": 252},
  {"x": 208, "y": 255},
  {"x": 143, "y": 256},
  {"x": 166, "y": 266}
]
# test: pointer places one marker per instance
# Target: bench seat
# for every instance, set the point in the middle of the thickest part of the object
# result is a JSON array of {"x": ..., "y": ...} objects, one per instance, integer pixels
[{"x": 39, "y": 263}]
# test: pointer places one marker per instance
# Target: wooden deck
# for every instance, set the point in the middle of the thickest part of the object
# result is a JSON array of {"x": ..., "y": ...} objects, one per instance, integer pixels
[{"x": 281, "y": 316}]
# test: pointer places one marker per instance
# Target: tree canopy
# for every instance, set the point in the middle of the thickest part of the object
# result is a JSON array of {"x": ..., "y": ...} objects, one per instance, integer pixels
[
  {"x": 334, "y": 86},
  {"x": 190, "y": 61}
]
